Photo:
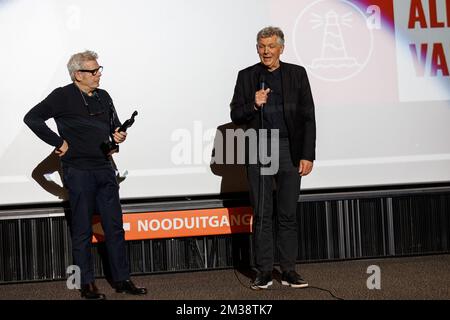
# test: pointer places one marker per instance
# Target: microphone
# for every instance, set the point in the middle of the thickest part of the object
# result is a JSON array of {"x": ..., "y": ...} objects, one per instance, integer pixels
[
  {"x": 262, "y": 86},
  {"x": 262, "y": 82}
]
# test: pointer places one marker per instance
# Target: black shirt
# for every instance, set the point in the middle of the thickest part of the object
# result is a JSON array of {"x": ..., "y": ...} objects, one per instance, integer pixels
[
  {"x": 273, "y": 110},
  {"x": 82, "y": 120}
]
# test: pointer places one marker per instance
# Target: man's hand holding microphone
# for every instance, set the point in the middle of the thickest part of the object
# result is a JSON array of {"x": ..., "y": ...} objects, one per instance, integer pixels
[{"x": 261, "y": 98}]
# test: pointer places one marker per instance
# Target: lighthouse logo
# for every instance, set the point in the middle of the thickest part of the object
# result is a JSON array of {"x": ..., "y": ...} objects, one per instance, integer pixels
[{"x": 332, "y": 39}]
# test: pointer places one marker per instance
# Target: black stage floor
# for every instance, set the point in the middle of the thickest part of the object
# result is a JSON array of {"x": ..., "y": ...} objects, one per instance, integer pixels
[{"x": 418, "y": 278}]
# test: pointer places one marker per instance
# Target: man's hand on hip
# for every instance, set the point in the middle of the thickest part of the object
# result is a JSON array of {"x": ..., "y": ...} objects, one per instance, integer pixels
[
  {"x": 61, "y": 151},
  {"x": 305, "y": 167}
]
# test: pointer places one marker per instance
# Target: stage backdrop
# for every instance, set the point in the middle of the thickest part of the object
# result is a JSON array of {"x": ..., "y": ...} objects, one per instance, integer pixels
[{"x": 379, "y": 72}]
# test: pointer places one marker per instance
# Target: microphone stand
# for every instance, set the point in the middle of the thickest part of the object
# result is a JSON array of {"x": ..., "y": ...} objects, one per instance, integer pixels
[{"x": 260, "y": 164}]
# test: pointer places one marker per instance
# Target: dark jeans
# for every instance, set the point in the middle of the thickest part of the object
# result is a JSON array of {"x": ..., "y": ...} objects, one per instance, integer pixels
[
  {"x": 89, "y": 191},
  {"x": 287, "y": 181}
]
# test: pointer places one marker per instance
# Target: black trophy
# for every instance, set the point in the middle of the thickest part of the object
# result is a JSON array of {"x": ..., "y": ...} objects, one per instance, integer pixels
[{"x": 109, "y": 146}]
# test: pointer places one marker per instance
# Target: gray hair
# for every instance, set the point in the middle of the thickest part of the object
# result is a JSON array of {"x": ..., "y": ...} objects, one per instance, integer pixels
[
  {"x": 77, "y": 61},
  {"x": 268, "y": 32}
]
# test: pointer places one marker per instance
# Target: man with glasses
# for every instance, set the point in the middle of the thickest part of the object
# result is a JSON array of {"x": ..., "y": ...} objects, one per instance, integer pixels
[{"x": 86, "y": 118}]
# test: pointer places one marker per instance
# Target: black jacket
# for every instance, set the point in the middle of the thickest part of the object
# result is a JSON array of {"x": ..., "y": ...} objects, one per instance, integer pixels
[{"x": 298, "y": 106}]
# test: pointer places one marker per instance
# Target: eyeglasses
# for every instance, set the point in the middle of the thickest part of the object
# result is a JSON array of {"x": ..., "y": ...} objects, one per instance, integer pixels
[
  {"x": 94, "y": 71},
  {"x": 94, "y": 113}
]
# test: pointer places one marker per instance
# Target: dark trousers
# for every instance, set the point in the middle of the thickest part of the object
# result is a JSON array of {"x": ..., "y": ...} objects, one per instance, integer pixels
[
  {"x": 89, "y": 191},
  {"x": 287, "y": 181}
]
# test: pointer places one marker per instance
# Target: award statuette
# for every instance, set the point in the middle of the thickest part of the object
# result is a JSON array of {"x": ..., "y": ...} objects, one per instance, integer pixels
[{"x": 109, "y": 147}]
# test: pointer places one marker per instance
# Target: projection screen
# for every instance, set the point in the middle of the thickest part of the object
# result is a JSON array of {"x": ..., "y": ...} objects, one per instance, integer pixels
[{"x": 378, "y": 71}]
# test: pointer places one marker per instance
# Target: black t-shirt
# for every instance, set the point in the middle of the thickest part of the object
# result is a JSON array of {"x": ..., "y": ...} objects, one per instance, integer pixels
[{"x": 273, "y": 110}]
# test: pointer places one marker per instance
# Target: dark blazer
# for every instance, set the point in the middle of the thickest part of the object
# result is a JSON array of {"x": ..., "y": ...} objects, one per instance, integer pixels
[{"x": 298, "y": 106}]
